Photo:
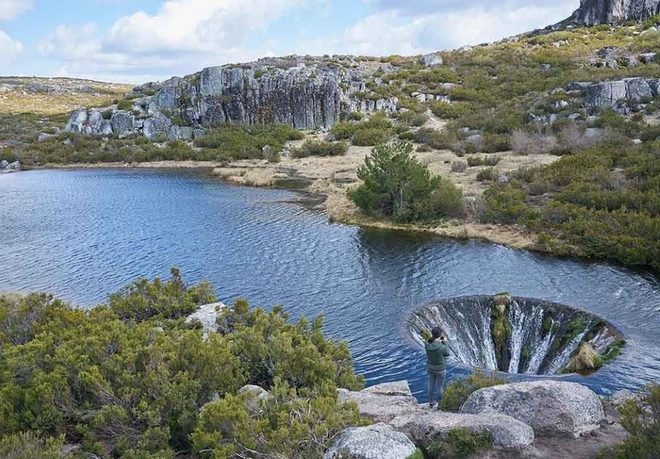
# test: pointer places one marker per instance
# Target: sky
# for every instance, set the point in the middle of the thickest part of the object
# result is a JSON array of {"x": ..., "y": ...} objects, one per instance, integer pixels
[{"x": 149, "y": 40}]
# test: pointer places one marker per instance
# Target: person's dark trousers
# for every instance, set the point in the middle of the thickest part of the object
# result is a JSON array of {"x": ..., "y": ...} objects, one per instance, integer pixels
[{"x": 436, "y": 385}]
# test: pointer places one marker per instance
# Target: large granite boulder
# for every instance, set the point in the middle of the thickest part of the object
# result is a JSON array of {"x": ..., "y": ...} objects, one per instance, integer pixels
[
  {"x": 383, "y": 402},
  {"x": 295, "y": 96},
  {"x": 206, "y": 315},
  {"x": 428, "y": 426},
  {"x": 122, "y": 122},
  {"x": 156, "y": 126},
  {"x": 609, "y": 93},
  {"x": 593, "y": 12},
  {"x": 551, "y": 408},
  {"x": 431, "y": 60},
  {"x": 379, "y": 441},
  {"x": 77, "y": 121},
  {"x": 606, "y": 94}
]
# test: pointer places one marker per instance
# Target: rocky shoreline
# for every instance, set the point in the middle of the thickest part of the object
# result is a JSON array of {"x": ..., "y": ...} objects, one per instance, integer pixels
[{"x": 335, "y": 202}]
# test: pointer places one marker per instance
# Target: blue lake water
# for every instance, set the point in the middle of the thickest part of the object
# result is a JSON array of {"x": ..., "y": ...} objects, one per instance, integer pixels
[{"x": 86, "y": 233}]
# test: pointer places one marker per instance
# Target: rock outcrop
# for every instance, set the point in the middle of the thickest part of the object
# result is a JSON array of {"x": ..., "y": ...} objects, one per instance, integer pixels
[
  {"x": 383, "y": 402},
  {"x": 303, "y": 92},
  {"x": 393, "y": 404},
  {"x": 611, "y": 93},
  {"x": 6, "y": 166},
  {"x": 379, "y": 441},
  {"x": 426, "y": 427},
  {"x": 551, "y": 408},
  {"x": 593, "y": 12}
]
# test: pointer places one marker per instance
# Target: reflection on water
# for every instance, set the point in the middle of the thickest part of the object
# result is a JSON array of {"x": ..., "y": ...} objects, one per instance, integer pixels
[{"x": 84, "y": 234}]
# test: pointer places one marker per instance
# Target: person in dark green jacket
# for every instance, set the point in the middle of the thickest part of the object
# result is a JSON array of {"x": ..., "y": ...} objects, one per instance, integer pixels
[{"x": 436, "y": 364}]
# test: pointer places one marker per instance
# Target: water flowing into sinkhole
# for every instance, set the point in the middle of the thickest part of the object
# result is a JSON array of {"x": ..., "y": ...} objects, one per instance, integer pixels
[{"x": 518, "y": 335}]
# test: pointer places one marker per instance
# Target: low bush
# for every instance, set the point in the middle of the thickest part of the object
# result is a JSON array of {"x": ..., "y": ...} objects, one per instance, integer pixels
[
  {"x": 489, "y": 160},
  {"x": 488, "y": 175},
  {"x": 28, "y": 445},
  {"x": 374, "y": 131},
  {"x": 458, "y": 390},
  {"x": 459, "y": 166},
  {"x": 128, "y": 379},
  {"x": 125, "y": 104},
  {"x": 237, "y": 141},
  {"x": 320, "y": 148},
  {"x": 641, "y": 418},
  {"x": 526, "y": 143}
]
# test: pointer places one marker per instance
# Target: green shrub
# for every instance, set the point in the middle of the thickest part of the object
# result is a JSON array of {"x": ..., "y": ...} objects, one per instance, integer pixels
[
  {"x": 398, "y": 186},
  {"x": 28, "y": 445},
  {"x": 504, "y": 203},
  {"x": 284, "y": 425},
  {"x": 642, "y": 421},
  {"x": 125, "y": 104},
  {"x": 131, "y": 383},
  {"x": 247, "y": 141},
  {"x": 370, "y": 137},
  {"x": 487, "y": 175},
  {"x": 320, "y": 148},
  {"x": 460, "y": 443},
  {"x": 458, "y": 390}
]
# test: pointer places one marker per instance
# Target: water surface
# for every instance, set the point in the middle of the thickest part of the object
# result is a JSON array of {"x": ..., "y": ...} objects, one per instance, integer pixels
[{"x": 84, "y": 234}]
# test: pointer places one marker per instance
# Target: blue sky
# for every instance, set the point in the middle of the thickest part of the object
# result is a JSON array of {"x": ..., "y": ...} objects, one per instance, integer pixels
[{"x": 136, "y": 41}]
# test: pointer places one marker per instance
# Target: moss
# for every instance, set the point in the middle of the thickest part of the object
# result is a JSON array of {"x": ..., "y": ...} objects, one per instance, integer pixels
[{"x": 418, "y": 454}]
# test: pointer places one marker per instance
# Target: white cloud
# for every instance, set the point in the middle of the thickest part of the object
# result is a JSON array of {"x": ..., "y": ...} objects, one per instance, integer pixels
[
  {"x": 419, "y": 7},
  {"x": 396, "y": 30},
  {"x": 183, "y": 36},
  {"x": 9, "y": 49},
  {"x": 11, "y": 9}
]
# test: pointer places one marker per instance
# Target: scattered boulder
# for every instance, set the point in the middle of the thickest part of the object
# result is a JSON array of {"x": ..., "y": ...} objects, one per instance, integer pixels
[
  {"x": 11, "y": 167},
  {"x": 378, "y": 441},
  {"x": 427, "y": 427},
  {"x": 4, "y": 164},
  {"x": 647, "y": 58},
  {"x": 121, "y": 122},
  {"x": 551, "y": 408},
  {"x": 431, "y": 60},
  {"x": 383, "y": 402},
  {"x": 207, "y": 315},
  {"x": 254, "y": 395},
  {"x": 544, "y": 67},
  {"x": 578, "y": 85}
]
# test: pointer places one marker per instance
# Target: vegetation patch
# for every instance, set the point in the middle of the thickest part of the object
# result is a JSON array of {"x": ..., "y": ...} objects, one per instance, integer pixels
[
  {"x": 458, "y": 390},
  {"x": 320, "y": 148},
  {"x": 460, "y": 443},
  {"x": 235, "y": 141},
  {"x": 399, "y": 187},
  {"x": 132, "y": 379}
]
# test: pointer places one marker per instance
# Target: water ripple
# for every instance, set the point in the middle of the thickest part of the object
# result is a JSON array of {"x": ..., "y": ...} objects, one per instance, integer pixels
[{"x": 84, "y": 234}]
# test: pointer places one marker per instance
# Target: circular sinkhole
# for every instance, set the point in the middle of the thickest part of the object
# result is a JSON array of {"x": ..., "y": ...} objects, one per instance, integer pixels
[{"x": 518, "y": 335}]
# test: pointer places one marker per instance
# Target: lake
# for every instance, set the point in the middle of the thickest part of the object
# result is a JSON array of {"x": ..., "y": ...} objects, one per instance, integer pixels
[{"x": 82, "y": 234}]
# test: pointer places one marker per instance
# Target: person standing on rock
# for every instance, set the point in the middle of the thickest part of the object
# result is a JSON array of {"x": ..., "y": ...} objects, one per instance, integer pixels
[{"x": 436, "y": 364}]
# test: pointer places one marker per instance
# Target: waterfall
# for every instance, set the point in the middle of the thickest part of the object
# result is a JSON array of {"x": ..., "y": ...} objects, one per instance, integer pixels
[{"x": 541, "y": 337}]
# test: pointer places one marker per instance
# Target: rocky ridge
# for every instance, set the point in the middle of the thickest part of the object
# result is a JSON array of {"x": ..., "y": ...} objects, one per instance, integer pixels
[
  {"x": 594, "y": 12},
  {"x": 303, "y": 92}
]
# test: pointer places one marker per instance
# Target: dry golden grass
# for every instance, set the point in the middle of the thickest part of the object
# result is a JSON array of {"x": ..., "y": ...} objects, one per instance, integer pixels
[{"x": 17, "y": 95}]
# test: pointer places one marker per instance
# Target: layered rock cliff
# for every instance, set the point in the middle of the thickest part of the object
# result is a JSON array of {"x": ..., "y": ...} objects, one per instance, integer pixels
[
  {"x": 593, "y": 12},
  {"x": 303, "y": 92}
]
